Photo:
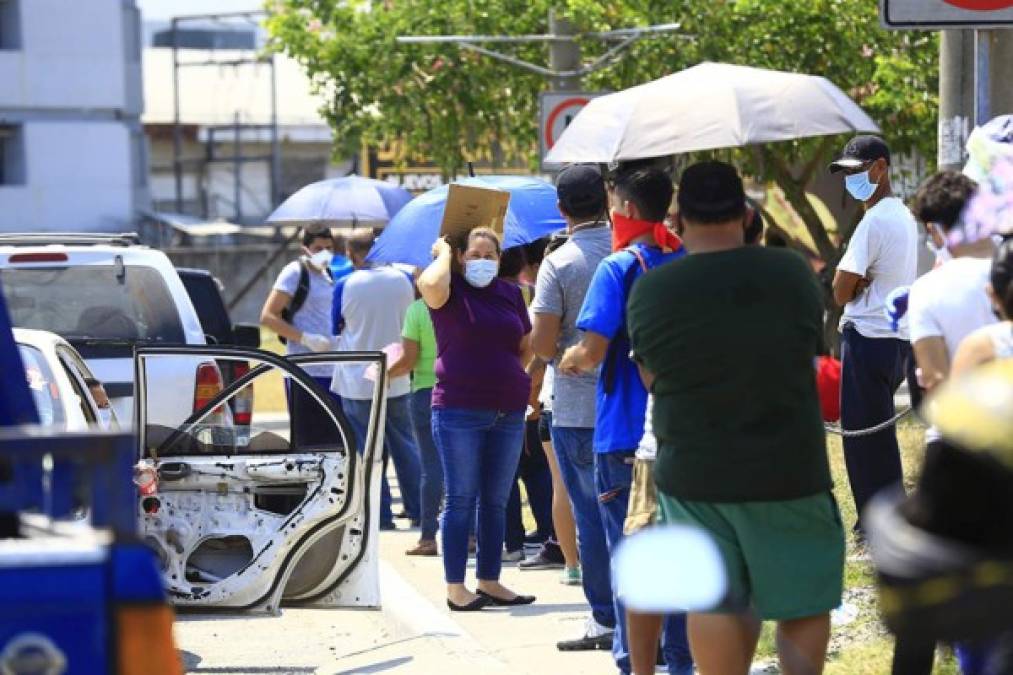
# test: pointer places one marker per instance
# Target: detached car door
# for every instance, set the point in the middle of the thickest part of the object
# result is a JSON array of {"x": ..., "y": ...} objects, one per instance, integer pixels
[{"x": 284, "y": 510}]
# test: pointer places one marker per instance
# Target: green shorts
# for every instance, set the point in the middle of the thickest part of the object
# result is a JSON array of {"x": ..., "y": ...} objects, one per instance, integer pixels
[{"x": 785, "y": 559}]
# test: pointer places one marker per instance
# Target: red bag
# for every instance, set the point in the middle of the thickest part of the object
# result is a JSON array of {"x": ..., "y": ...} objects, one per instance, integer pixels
[{"x": 828, "y": 384}]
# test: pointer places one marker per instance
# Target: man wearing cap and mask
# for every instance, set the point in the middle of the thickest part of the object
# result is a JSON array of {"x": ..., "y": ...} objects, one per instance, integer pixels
[
  {"x": 882, "y": 256},
  {"x": 563, "y": 280},
  {"x": 639, "y": 201}
]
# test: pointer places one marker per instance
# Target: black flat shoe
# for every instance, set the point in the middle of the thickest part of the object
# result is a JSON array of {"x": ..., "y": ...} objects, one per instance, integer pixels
[
  {"x": 478, "y": 603},
  {"x": 500, "y": 602}
]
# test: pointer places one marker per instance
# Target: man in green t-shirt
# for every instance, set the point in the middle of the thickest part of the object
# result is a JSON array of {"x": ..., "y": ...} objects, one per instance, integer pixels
[
  {"x": 726, "y": 339},
  {"x": 418, "y": 357}
]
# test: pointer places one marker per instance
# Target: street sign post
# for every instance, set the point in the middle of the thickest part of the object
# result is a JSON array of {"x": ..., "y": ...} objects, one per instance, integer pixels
[
  {"x": 940, "y": 14},
  {"x": 556, "y": 111}
]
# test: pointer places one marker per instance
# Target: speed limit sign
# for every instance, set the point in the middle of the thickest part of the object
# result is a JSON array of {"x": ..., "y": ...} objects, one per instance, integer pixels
[{"x": 557, "y": 110}]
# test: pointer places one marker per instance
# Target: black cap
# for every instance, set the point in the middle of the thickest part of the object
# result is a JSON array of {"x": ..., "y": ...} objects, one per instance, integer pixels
[
  {"x": 860, "y": 150},
  {"x": 581, "y": 189}
]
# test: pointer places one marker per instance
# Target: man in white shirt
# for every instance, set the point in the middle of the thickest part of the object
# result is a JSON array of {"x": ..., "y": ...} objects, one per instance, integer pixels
[
  {"x": 882, "y": 255},
  {"x": 950, "y": 302},
  {"x": 367, "y": 314},
  {"x": 298, "y": 310}
]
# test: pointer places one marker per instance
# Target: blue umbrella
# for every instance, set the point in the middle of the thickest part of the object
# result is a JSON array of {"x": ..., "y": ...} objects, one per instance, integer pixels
[
  {"x": 410, "y": 235},
  {"x": 350, "y": 200}
]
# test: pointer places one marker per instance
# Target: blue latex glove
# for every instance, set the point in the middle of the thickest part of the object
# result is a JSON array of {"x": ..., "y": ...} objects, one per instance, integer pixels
[{"x": 896, "y": 306}]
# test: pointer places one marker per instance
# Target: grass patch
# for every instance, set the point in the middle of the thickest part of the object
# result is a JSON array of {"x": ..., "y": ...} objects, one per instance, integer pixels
[{"x": 863, "y": 647}]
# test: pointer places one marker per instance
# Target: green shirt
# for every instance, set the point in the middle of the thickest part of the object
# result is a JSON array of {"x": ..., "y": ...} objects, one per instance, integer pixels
[
  {"x": 732, "y": 337},
  {"x": 418, "y": 326}
]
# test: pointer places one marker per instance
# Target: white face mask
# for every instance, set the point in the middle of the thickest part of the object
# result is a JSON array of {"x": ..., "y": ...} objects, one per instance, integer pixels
[
  {"x": 105, "y": 418},
  {"x": 480, "y": 273},
  {"x": 942, "y": 253},
  {"x": 321, "y": 258}
]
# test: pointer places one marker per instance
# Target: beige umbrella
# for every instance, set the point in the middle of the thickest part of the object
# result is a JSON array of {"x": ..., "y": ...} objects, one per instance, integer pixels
[{"x": 708, "y": 106}]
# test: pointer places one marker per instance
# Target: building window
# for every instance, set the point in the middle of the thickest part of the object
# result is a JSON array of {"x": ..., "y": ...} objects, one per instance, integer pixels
[
  {"x": 12, "y": 155},
  {"x": 10, "y": 25}
]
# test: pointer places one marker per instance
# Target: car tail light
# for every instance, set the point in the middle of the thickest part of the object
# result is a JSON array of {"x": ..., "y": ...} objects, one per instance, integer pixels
[
  {"x": 144, "y": 640},
  {"x": 242, "y": 410},
  {"x": 37, "y": 257},
  {"x": 209, "y": 384}
]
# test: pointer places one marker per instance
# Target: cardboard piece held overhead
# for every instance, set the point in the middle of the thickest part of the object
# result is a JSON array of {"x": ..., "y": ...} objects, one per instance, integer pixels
[{"x": 469, "y": 207}]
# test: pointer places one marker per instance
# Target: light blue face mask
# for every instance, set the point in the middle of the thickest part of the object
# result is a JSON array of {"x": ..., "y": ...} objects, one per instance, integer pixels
[
  {"x": 859, "y": 186},
  {"x": 480, "y": 273}
]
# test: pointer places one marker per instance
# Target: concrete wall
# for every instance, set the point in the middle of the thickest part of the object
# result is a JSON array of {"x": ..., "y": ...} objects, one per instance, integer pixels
[
  {"x": 236, "y": 265},
  {"x": 71, "y": 92}
]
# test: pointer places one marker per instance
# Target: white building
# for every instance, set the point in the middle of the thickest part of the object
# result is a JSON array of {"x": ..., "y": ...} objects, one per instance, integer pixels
[
  {"x": 72, "y": 150},
  {"x": 212, "y": 98}
]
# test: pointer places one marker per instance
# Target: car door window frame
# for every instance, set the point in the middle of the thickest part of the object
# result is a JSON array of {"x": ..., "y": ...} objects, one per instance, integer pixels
[
  {"x": 290, "y": 366},
  {"x": 73, "y": 368}
]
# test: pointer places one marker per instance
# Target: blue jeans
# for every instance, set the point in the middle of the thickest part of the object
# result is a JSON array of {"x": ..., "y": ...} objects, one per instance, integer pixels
[
  {"x": 871, "y": 371},
  {"x": 575, "y": 453},
  {"x": 613, "y": 477},
  {"x": 533, "y": 469},
  {"x": 398, "y": 446},
  {"x": 479, "y": 451},
  {"x": 432, "y": 470}
]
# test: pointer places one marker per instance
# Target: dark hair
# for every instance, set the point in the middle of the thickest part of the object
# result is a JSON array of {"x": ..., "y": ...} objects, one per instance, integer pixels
[
  {"x": 91, "y": 382},
  {"x": 512, "y": 262},
  {"x": 360, "y": 242},
  {"x": 1002, "y": 275},
  {"x": 535, "y": 251},
  {"x": 941, "y": 198},
  {"x": 649, "y": 189},
  {"x": 710, "y": 193},
  {"x": 774, "y": 240},
  {"x": 315, "y": 231},
  {"x": 754, "y": 230}
]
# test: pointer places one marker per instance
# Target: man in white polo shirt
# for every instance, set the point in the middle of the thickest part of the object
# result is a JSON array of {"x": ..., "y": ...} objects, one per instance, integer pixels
[{"x": 882, "y": 255}]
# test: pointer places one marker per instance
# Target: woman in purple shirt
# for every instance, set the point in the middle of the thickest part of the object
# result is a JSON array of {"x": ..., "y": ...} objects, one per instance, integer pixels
[{"x": 482, "y": 341}]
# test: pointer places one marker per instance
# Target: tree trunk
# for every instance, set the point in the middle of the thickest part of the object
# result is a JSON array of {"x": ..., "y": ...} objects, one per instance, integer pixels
[{"x": 794, "y": 189}]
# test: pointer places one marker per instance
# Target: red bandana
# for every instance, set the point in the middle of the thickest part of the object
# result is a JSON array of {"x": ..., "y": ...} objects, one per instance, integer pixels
[{"x": 626, "y": 229}]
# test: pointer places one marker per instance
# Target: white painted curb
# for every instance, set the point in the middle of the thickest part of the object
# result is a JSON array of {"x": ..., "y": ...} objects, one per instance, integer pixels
[{"x": 410, "y": 616}]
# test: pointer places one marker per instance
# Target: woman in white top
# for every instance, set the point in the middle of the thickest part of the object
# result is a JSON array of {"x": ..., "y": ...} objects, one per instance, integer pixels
[{"x": 994, "y": 341}]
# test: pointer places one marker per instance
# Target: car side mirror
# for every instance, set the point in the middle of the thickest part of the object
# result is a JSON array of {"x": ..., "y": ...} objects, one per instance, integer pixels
[
  {"x": 671, "y": 568},
  {"x": 247, "y": 335}
]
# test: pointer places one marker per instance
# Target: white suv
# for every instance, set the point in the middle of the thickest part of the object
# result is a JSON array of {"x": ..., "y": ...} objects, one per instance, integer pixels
[{"x": 106, "y": 294}]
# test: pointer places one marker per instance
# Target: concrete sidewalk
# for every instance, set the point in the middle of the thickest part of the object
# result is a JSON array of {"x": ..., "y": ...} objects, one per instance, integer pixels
[{"x": 521, "y": 639}]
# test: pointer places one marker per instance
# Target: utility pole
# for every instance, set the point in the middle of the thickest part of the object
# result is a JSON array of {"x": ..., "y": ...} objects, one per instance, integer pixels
[
  {"x": 956, "y": 96},
  {"x": 564, "y": 55}
]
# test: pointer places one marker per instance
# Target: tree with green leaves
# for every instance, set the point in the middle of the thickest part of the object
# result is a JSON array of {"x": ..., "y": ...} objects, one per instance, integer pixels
[{"x": 452, "y": 105}]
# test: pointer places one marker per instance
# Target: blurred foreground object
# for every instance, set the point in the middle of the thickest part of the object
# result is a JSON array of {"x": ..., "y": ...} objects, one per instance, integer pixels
[
  {"x": 670, "y": 569},
  {"x": 944, "y": 554}
]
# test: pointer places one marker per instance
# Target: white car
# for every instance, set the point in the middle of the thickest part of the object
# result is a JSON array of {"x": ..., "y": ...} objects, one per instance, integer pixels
[
  {"x": 58, "y": 379},
  {"x": 106, "y": 295}
]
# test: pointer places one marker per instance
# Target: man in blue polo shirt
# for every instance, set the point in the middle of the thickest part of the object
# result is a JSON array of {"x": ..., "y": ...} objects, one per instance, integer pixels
[{"x": 639, "y": 200}]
